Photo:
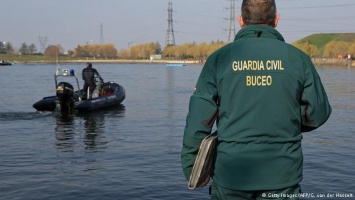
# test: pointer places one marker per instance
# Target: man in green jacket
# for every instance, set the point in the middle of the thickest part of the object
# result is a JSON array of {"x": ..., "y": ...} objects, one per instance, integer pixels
[{"x": 267, "y": 93}]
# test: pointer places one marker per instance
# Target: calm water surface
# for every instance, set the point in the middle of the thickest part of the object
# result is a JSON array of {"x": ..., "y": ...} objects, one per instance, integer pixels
[{"x": 133, "y": 151}]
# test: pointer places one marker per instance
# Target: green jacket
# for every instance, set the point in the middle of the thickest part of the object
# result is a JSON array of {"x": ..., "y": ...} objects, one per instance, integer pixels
[{"x": 267, "y": 92}]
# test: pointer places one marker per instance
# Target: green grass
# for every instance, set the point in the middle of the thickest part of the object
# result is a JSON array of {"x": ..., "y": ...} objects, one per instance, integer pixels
[
  {"x": 35, "y": 58},
  {"x": 26, "y": 58},
  {"x": 322, "y": 39}
]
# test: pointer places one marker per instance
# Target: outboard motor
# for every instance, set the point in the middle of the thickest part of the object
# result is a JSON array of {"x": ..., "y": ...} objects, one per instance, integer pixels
[{"x": 65, "y": 92}]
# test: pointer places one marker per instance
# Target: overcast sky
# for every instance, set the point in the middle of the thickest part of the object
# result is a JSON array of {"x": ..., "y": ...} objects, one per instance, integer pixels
[{"x": 75, "y": 22}]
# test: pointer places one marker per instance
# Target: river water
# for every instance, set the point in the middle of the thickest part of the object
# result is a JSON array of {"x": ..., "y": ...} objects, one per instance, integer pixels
[{"x": 133, "y": 151}]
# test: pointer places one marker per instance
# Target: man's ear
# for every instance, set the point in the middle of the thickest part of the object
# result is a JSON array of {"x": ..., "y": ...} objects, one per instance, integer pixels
[
  {"x": 241, "y": 22},
  {"x": 277, "y": 17}
]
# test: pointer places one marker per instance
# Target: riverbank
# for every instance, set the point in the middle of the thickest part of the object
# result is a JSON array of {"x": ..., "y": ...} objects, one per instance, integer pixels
[
  {"x": 123, "y": 61},
  {"x": 316, "y": 61},
  {"x": 333, "y": 61},
  {"x": 138, "y": 61}
]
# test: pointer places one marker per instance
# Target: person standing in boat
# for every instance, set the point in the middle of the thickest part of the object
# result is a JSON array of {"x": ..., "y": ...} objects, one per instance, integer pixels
[
  {"x": 88, "y": 75},
  {"x": 266, "y": 92}
]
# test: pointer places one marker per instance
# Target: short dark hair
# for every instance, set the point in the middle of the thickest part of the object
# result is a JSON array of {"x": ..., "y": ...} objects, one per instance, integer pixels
[{"x": 259, "y": 12}]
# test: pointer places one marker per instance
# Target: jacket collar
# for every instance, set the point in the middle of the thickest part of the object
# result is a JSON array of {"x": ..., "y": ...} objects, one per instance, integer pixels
[{"x": 262, "y": 31}]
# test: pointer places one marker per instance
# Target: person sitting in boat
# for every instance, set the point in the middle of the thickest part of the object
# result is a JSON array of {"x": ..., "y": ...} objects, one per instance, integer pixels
[{"x": 88, "y": 75}]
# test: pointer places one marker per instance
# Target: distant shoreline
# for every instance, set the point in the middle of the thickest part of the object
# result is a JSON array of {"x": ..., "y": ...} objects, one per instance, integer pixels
[
  {"x": 120, "y": 61},
  {"x": 333, "y": 62},
  {"x": 316, "y": 61}
]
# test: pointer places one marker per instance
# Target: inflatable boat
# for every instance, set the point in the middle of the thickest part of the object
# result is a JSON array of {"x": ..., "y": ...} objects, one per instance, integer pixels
[{"x": 105, "y": 95}]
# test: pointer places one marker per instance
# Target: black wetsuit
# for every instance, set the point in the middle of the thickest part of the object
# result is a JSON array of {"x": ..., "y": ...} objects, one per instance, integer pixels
[{"x": 88, "y": 76}]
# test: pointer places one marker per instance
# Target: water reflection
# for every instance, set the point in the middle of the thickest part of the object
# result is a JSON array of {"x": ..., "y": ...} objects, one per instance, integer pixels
[
  {"x": 94, "y": 125},
  {"x": 64, "y": 131},
  {"x": 13, "y": 116},
  {"x": 340, "y": 90},
  {"x": 72, "y": 131},
  {"x": 171, "y": 91}
]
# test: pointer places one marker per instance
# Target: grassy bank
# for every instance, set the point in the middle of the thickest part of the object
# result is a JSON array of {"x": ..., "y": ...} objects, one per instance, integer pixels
[
  {"x": 34, "y": 58},
  {"x": 66, "y": 59}
]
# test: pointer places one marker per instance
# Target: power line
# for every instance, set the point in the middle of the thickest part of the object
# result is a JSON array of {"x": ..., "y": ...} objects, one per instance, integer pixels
[{"x": 325, "y": 6}]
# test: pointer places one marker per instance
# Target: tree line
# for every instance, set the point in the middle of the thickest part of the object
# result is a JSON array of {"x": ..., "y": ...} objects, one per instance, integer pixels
[
  {"x": 198, "y": 51},
  {"x": 333, "y": 49},
  {"x": 184, "y": 51},
  {"x": 192, "y": 50},
  {"x": 144, "y": 51},
  {"x": 7, "y": 48},
  {"x": 106, "y": 51}
]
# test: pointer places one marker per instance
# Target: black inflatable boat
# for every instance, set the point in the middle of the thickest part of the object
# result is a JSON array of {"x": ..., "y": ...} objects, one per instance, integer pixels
[{"x": 105, "y": 95}]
